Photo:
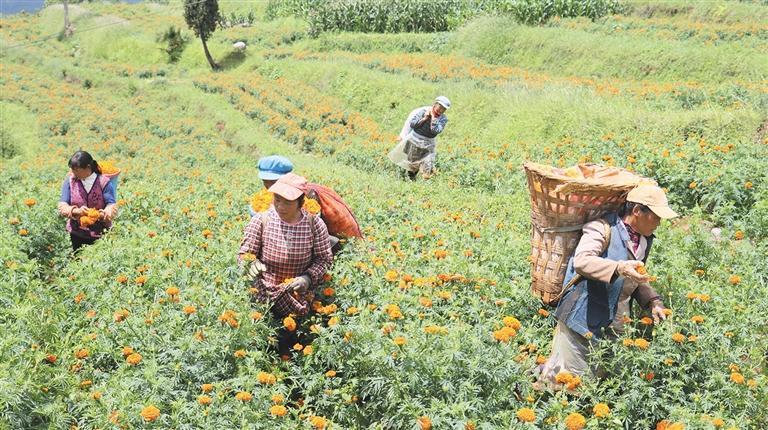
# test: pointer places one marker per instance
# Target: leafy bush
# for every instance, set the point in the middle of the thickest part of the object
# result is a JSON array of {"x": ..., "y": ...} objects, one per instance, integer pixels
[{"x": 175, "y": 41}]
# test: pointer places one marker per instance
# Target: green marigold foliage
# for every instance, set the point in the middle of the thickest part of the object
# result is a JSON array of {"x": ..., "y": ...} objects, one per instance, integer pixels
[{"x": 393, "y": 16}]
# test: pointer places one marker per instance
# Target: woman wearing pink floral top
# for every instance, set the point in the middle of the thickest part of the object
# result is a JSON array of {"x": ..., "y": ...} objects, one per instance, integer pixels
[{"x": 292, "y": 253}]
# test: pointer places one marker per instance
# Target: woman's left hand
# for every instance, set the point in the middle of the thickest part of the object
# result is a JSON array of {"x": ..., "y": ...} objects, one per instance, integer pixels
[{"x": 657, "y": 311}]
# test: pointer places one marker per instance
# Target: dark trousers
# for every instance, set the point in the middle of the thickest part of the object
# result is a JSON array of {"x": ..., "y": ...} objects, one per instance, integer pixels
[{"x": 79, "y": 241}]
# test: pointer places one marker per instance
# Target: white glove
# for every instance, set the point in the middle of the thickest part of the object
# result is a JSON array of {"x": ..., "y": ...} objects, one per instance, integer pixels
[
  {"x": 254, "y": 270},
  {"x": 628, "y": 270},
  {"x": 300, "y": 283}
]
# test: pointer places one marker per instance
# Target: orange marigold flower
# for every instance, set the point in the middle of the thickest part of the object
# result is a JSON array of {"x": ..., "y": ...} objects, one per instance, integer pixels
[
  {"x": 575, "y": 421},
  {"x": 693, "y": 185},
  {"x": 564, "y": 377},
  {"x": 308, "y": 350},
  {"x": 504, "y": 334},
  {"x": 329, "y": 292},
  {"x": 526, "y": 415},
  {"x": 330, "y": 373},
  {"x": 277, "y": 399},
  {"x": 734, "y": 279},
  {"x": 172, "y": 291},
  {"x": 543, "y": 312},
  {"x": 278, "y": 410},
  {"x": 189, "y": 309},
  {"x": 23, "y": 232},
  {"x": 30, "y": 202},
  {"x": 646, "y": 320},
  {"x": 141, "y": 280},
  {"x": 150, "y": 413},
  {"x": 748, "y": 185},
  {"x": 240, "y": 353},
  {"x": 391, "y": 275},
  {"x": 739, "y": 235},
  {"x": 737, "y": 378},
  {"x": 641, "y": 343},
  {"x": 51, "y": 358},
  {"x": 678, "y": 338},
  {"x": 244, "y": 396},
  {"x": 601, "y": 410},
  {"x": 207, "y": 388},
  {"x": 96, "y": 395},
  {"x": 204, "y": 400},
  {"x": 400, "y": 340},
  {"x": 134, "y": 359},
  {"x": 121, "y": 315},
  {"x": 424, "y": 423},
  {"x": 289, "y": 324},
  {"x": 121, "y": 279},
  {"x": 697, "y": 319},
  {"x": 256, "y": 315},
  {"x": 81, "y": 353}
]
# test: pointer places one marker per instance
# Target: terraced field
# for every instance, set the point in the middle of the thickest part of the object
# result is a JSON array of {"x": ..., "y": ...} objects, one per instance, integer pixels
[{"x": 404, "y": 335}]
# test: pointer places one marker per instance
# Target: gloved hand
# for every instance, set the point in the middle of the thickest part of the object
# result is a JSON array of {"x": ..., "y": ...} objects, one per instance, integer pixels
[
  {"x": 628, "y": 270},
  {"x": 300, "y": 283},
  {"x": 254, "y": 269},
  {"x": 657, "y": 311}
]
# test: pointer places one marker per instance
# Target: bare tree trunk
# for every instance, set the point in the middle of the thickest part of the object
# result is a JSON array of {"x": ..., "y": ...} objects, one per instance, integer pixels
[
  {"x": 68, "y": 30},
  {"x": 213, "y": 64}
]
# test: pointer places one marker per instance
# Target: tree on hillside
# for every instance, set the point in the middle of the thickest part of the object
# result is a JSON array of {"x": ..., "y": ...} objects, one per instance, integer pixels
[
  {"x": 68, "y": 29},
  {"x": 201, "y": 17}
]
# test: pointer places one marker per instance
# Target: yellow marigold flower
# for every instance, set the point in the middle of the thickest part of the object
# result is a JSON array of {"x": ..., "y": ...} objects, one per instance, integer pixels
[
  {"x": 678, "y": 337},
  {"x": 172, "y": 291},
  {"x": 150, "y": 413},
  {"x": 141, "y": 280},
  {"x": 121, "y": 279},
  {"x": 261, "y": 201},
  {"x": 424, "y": 423},
  {"x": 526, "y": 415},
  {"x": 207, "y": 233},
  {"x": 425, "y": 301},
  {"x": 308, "y": 350},
  {"x": 266, "y": 378},
  {"x": 739, "y": 235},
  {"x": 96, "y": 395},
  {"x": 511, "y": 322},
  {"x": 134, "y": 359},
  {"x": 504, "y": 334},
  {"x": 318, "y": 422},
  {"x": 737, "y": 378},
  {"x": 330, "y": 373},
  {"x": 86, "y": 383},
  {"x": 470, "y": 425},
  {"x": 717, "y": 422},
  {"x": 256, "y": 315},
  {"x": 641, "y": 343},
  {"x": 312, "y": 206},
  {"x": 748, "y": 185},
  {"x": 189, "y": 309},
  {"x": 207, "y": 388},
  {"x": 244, "y": 396},
  {"x": 391, "y": 275},
  {"x": 278, "y": 410},
  {"x": 204, "y": 400},
  {"x": 352, "y": 310},
  {"x": 30, "y": 202},
  {"x": 400, "y": 340},
  {"x": 627, "y": 342},
  {"x": 240, "y": 353},
  {"x": 277, "y": 399},
  {"x": 575, "y": 421},
  {"x": 693, "y": 185},
  {"x": 289, "y": 324},
  {"x": 23, "y": 232},
  {"x": 601, "y": 410},
  {"x": 734, "y": 279},
  {"x": 697, "y": 319}
]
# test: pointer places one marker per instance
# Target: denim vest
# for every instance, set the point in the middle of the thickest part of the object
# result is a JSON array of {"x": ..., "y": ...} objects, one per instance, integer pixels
[{"x": 590, "y": 306}]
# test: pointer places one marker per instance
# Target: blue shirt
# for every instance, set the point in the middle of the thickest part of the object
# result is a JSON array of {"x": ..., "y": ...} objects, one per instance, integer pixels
[{"x": 109, "y": 192}]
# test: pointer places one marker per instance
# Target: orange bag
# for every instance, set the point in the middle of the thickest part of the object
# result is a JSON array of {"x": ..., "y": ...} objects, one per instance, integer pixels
[{"x": 335, "y": 212}]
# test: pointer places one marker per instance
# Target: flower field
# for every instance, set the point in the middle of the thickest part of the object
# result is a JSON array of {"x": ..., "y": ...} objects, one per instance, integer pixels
[{"x": 428, "y": 322}]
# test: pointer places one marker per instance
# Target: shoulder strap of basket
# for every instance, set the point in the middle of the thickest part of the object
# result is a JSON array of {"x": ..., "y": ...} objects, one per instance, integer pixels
[
  {"x": 577, "y": 278},
  {"x": 312, "y": 229},
  {"x": 264, "y": 221}
]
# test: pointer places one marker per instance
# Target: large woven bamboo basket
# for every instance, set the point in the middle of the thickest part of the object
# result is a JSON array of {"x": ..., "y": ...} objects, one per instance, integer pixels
[{"x": 562, "y": 201}]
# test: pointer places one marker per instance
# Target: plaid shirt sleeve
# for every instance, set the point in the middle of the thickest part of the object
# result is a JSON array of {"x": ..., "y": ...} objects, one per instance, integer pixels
[
  {"x": 251, "y": 239},
  {"x": 321, "y": 252}
]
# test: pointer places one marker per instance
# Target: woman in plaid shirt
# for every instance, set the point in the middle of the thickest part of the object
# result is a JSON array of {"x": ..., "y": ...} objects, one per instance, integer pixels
[{"x": 292, "y": 253}]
